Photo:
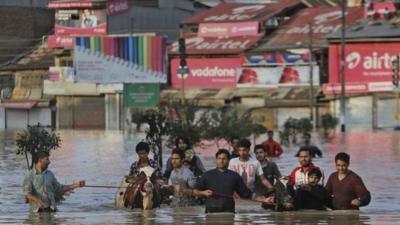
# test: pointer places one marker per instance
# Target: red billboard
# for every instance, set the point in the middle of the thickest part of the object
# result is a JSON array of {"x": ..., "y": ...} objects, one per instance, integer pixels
[
  {"x": 54, "y": 41},
  {"x": 207, "y": 73},
  {"x": 80, "y": 22},
  {"x": 228, "y": 29},
  {"x": 366, "y": 62}
]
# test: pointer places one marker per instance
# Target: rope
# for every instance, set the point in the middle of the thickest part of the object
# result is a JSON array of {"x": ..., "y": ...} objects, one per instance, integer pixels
[{"x": 233, "y": 197}]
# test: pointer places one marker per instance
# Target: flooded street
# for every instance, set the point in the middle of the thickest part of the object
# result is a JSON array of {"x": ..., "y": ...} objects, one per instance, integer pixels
[{"x": 103, "y": 158}]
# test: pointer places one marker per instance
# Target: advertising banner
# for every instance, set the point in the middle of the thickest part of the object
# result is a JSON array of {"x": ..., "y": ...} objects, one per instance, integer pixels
[
  {"x": 80, "y": 22},
  {"x": 290, "y": 75},
  {"x": 54, "y": 41},
  {"x": 61, "y": 73},
  {"x": 129, "y": 59},
  {"x": 207, "y": 73},
  {"x": 278, "y": 57},
  {"x": 228, "y": 29},
  {"x": 367, "y": 62},
  {"x": 141, "y": 95},
  {"x": 115, "y": 7}
]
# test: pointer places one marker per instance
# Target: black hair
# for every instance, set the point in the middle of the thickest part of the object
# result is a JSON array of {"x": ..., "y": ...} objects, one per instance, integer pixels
[
  {"x": 270, "y": 131},
  {"x": 142, "y": 146},
  {"x": 315, "y": 171},
  {"x": 307, "y": 135},
  {"x": 342, "y": 156},
  {"x": 223, "y": 151},
  {"x": 184, "y": 139},
  {"x": 263, "y": 147},
  {"x": 40, "y": 155},
  {"x": 244, "y": 143},
  {"x": 304, "y": 149},
  {"x": 234, "y": 138},
  {"x": 178, "y": 152}
]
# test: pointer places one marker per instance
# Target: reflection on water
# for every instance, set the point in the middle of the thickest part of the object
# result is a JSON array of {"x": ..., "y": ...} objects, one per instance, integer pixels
[{"x": 102, "y": 158}]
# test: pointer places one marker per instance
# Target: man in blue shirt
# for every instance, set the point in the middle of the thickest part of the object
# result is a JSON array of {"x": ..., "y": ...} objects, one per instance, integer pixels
[
  {"x": 41, "y": 187},
  {"x": 218, "y": 186}
]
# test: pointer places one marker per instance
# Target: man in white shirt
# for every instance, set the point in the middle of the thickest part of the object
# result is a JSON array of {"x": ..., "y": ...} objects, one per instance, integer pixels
[{"x": 247, "y": 167}]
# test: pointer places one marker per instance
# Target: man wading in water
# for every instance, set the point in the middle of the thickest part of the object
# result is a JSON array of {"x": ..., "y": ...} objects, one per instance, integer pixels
[
  {"x": 41, "y": 187},
  {"x": 218, "y": 186}
]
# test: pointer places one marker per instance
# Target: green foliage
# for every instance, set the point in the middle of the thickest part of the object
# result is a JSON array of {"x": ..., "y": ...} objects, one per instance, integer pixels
[
  {"x": 328, "y": 123},
  {"x": 196, "y": 123},
  {"x": 137, "y": 117},
  {"x": 36, "y": 139},
  {"x": 228, "y": 122},
  {"x": 292, "y": 127}
]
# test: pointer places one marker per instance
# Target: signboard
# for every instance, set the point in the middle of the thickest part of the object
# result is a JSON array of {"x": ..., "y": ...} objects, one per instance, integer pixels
[
  {"x": 367, "y": 62},
  {"x": 61, "y": 73},
  {"x": 277, "y": 58},
  {"x": 115, "y": 7},
  {"x": 228, "y": 29},
  {"x": 240, "y": 12},
  {"x": 201, "y": 45},
  {"x": 357, "y": 88},
  {"x": 54, "y": 41},
  {"x": 207, "y": 73},
  {"x": 80, "y": 22},
  {"x": 58, "y": 5},
  {"x": 287, "y": 75},
  {"x": 141, "y": 95},
  {"x": 129, "y": 59},
  {"x": 68, "y": 88}
]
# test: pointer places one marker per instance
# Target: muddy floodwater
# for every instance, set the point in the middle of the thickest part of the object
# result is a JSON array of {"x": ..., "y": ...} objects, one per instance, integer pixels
[{"x": 103, "y": 157}]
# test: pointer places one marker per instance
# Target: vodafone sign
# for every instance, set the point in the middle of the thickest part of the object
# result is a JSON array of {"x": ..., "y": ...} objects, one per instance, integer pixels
[
  {"x": 207, "y": 73},
  {"x": 369, "y": 62}
]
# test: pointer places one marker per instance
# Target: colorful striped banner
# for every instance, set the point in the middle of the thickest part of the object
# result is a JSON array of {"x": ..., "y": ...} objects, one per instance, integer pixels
[{"x": 145, "y": 51}]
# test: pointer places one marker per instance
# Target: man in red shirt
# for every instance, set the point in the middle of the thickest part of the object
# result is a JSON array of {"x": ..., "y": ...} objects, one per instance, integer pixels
[
  {"x": 346, "y": 187},
  {"x": 274, "y": 149}
]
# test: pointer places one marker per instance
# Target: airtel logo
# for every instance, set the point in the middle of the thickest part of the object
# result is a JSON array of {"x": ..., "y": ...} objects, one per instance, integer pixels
[
  {"x": 247, "y": 9},
  {"x": 327, "y": 17},
  {"x": 353, "y": 59},
  {"x": 373, "y": 61}
]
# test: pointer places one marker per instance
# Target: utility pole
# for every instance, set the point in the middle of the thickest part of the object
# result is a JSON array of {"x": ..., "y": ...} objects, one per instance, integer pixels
[
  {"x": 183, "y": 70},
  {"x": 395, "y": 81},
  {"x": 310, "y": 58},
  {"x": 342, "y": 70}
]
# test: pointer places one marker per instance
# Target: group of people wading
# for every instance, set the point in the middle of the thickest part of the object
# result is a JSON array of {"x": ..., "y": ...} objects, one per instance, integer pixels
[{"x": 237, "y": 174}]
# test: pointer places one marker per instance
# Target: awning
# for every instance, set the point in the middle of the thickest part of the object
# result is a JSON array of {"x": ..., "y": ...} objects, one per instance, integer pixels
[
  {"x": 208, "y": 46},
  {"x": 18, "y": 105},
  {"x": 296, "y": 32},
  {"x": 240, "y": 12}
]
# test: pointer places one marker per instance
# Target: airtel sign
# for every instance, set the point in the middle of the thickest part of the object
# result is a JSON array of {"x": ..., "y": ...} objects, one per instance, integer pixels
[{"x": 369, "y": 62}]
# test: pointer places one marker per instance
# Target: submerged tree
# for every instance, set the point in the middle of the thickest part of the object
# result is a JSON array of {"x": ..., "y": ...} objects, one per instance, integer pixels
[{"x": 34, "y": 140}]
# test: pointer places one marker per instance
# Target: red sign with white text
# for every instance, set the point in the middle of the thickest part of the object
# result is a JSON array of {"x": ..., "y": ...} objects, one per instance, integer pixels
[
  {"x": 115, "y": 7},
  {"x": 207, "y": 73},
  {"x": 228, "y": 29},
  {"x": 55, "y": 41},
  {"x": 367, "y": 62}
]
